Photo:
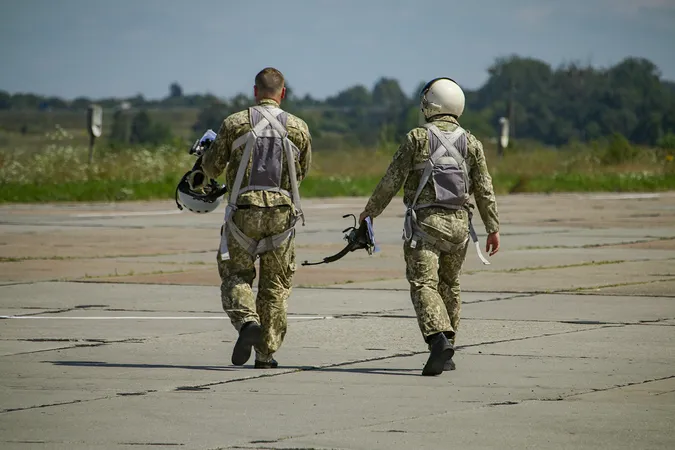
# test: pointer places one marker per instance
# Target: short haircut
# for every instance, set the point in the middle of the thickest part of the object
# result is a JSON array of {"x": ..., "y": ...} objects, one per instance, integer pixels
[{"x": 269, "y": 81}]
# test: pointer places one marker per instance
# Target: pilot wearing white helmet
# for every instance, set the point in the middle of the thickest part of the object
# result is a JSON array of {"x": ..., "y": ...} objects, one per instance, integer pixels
[{"x": 439, "y": 165}]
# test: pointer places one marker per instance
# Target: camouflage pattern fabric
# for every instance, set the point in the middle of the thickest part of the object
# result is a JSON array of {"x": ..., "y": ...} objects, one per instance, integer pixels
[
  {"x": 261, "y": 214},
  {"x": 277, "y": 268},
  {"x": 415, "y": 150},
  {"x": 220, "y": 156},
  {"x": 433, "y": 275}
]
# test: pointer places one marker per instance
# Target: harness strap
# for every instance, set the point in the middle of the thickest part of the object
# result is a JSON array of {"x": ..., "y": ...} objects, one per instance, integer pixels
[
  {"x": 255, "y": 248},
  {"x": 474, "y": 238},
  {"x": 269, "y": 243},
  {"x": 440, "y": 205},
  {"x": 449, "y": 144},
  {"x": 441, "y": 244},
  {"x": 289, "y": 149},
  {"x": 411, "y": 230},
  {"x": 272, "y": 120},
  {"x": 253, "y": 187},
  {"x": 428, "y": 165},
  {"x": 249, "y": 138},
  {"x": 290, "y": 160}
]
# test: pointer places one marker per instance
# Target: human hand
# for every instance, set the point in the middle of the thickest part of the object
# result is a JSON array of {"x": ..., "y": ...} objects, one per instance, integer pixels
[
  {"x": 363, "y": 216},
  {"x": 492, "y": 243}
]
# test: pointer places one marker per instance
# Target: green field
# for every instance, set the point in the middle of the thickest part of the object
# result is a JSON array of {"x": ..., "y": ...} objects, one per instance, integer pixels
[{"x": 54, "y": 167}]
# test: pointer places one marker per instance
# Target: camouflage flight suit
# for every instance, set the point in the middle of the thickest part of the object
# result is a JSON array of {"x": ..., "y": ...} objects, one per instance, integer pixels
[
  {"x": 260, "y": 214},
  {"x": 433, "y": 274}
]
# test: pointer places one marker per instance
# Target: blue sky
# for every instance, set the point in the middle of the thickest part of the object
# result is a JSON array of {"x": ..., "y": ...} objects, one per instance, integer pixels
[{"x": 99, "y": 48}]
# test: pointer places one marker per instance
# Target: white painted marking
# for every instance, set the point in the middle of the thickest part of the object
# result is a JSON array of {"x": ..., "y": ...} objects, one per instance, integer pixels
[
  {"x": 624, "y": 196},
  {"x": 328, "y": 206},
  {"x": 127, "y": 214},
  {"x": 149, "y": 317}
]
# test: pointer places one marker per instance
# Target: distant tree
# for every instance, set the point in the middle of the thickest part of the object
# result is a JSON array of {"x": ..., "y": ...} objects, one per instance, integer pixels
[
  {"x": 570, "y": 103},
  {"x": 355, "y": 96},
  {"x": 141, "y": 128},
  {"x": 5, "y": 100},
  {"x": 388, "y": 93},
  {"x": 137, "y": 101},
  {"x": 26, "y": 101},
  {"x": 80, "y": 103},
  {"x": 619, "y": 150},
  {"x": 175, "y": 90},
  {"x": 56, "y": 103},
  {"x": 667, "y": 142},
  {"x": 240, "y": 102},
  {"x": 145, "y": 131},
  {"x": 211, "y": 117},
  {"x": 110, "y": 102},
  {"x": 119, "y": 131}
]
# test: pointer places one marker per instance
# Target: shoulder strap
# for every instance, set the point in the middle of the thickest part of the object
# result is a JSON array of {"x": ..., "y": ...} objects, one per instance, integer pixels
[
  {"x": 272, "y": 119},
  {"x": 268, "y": 118},
  {"x": 289, "y": 148},
  {"x": 449, "y": 143},
  {"x": 249, "y": 138},
  {"x": 428, "y": 166}
]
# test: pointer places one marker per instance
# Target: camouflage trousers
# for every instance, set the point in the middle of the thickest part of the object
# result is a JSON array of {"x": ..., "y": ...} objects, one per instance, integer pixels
[
  {"x": 433, "y": 275},
  {"x": 277, "y": 267}
]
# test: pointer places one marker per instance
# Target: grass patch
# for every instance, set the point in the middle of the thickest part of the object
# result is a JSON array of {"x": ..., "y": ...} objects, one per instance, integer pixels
[
  {"x": 60, "y": 172},
  {"x": 581, "y": 289},
  {"x": 582, "y": 182},
  {"x": 338, "y": 186},
  {"x": 90, "y": 190},
  {"x": 318, "y": 186},
  {"x": 563, "y": 266},
  {"x": 131, "y": 273}
]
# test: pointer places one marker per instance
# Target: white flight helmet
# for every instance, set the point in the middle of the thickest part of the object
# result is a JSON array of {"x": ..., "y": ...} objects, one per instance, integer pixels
[
  {"x": 441, "y": 96},
  {"x": 202, "y": 200}
]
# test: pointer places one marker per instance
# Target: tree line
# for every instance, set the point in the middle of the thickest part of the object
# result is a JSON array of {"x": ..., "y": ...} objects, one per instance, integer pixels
[{"x": 572, "y": 102}]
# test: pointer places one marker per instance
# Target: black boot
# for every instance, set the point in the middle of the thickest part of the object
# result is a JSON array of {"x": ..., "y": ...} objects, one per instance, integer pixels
[
  {"x": 249, "y": 335},
  {"x": 449, "y": 365},
  {"x": 266, "y": 364},
  {"x": 441, "y": 351}
]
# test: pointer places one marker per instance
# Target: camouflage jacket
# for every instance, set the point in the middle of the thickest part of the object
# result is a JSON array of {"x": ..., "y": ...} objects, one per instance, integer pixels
[
  {"x": 415, "y": 150},
  {"x": 221, "y": 156}
]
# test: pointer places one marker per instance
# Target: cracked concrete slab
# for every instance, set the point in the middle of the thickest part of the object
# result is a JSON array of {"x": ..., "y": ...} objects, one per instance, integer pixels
[
  {"x": 41, "y": 270},
  {"x": 620, "y": 342},
  {"x": 54, "y": 296},
  {"x": 577, "y": 308},
  {"x": 143, "y": 360},
  {"x": 586, "y": 422},
  {"x": 664, "y": 288}
]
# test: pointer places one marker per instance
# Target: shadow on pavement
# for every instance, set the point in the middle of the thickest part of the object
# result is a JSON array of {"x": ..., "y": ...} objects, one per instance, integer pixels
[
  {"x": 372, "y": 371},
  {"x": 137, "y": 366}
]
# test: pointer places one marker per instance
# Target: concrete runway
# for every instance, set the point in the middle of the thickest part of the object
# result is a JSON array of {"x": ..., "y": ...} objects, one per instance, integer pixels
[{"x": 112, "y": 334}]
